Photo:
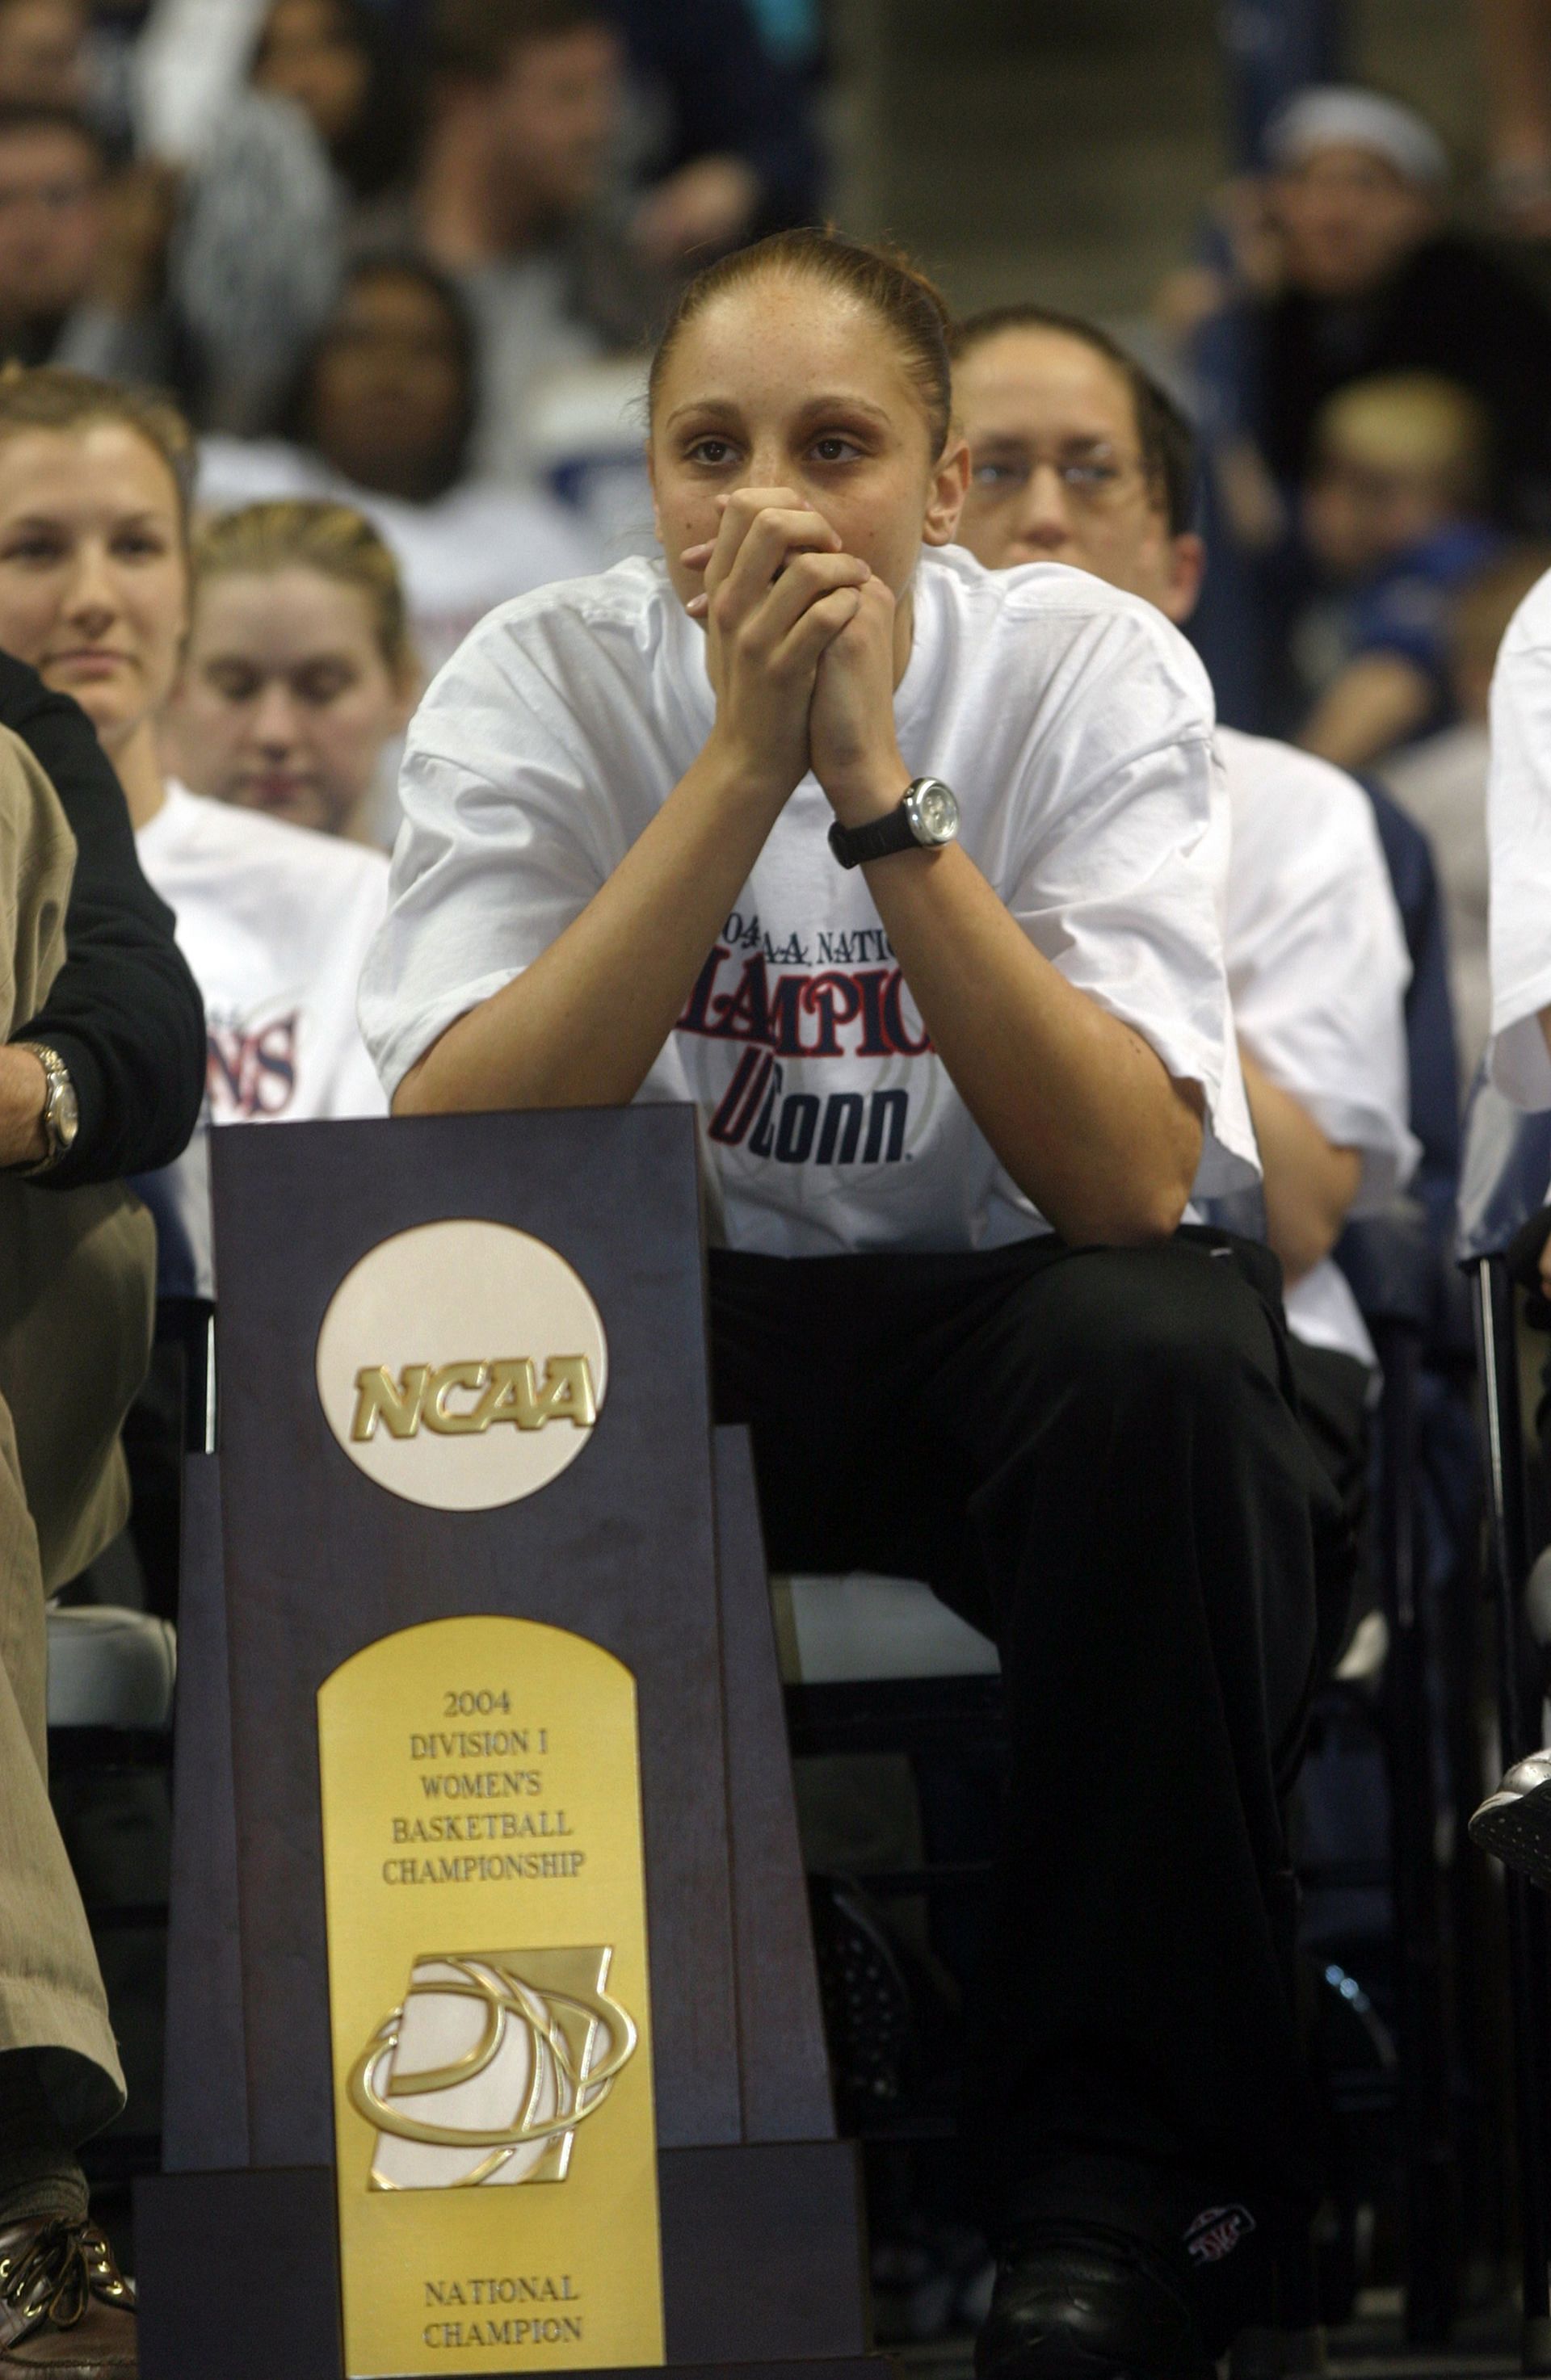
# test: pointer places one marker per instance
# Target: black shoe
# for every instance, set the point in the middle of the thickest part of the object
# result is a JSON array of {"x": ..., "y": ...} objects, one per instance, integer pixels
[
  {"x": 1079, "y": 2302},
  {"x": 1514, "y": 1822}
]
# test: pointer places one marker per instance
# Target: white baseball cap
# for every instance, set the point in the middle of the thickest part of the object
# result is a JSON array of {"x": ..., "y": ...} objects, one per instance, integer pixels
[{"x": 1343, "y": 116}]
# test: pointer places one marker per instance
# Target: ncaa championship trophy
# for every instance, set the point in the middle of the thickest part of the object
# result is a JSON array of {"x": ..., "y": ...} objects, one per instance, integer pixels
[{"x": 494, "y": 2038}]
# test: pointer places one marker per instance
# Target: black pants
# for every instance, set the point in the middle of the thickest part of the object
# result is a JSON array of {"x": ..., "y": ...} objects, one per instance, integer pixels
[{"x": 1094, "y": 1454}]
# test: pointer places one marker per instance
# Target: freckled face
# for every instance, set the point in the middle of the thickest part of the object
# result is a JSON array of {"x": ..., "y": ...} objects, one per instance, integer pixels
[{"x": 783, "y": 384}]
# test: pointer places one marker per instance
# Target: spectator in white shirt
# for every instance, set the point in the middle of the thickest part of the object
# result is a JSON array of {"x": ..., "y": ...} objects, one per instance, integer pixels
[
  {"x": 299, "y": 669},
  {"x": 1078, "y": 457},
  {"x": 382, "y": 422},
  {"x": 94, "y": 593}
]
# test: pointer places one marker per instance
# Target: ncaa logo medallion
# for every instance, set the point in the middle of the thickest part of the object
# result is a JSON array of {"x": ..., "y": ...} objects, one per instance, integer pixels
[{"x": 462, "y": 1364}]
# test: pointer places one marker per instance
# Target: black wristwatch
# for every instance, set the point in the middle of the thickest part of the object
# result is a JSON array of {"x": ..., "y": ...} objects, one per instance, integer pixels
[{"x": 927, "y": 817}]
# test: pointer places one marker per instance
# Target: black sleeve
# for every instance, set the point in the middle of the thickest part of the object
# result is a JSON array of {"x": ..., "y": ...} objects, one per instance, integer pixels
[{"x": 124, "y": 1012}]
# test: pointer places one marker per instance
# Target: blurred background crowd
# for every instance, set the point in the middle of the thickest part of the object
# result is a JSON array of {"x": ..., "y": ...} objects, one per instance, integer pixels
[{"x": 405, "y": 255}]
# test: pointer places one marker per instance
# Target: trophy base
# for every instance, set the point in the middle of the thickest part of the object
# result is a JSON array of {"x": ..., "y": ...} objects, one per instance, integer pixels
[{"x": 238, "y": 2273}]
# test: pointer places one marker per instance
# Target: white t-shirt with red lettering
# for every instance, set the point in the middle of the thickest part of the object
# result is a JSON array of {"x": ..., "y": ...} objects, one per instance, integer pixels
[
  {"x": 275, "y": 922},
  {"x": 1075, "y": 726}
]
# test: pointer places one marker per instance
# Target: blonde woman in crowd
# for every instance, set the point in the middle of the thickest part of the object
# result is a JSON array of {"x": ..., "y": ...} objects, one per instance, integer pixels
[
  {"x": 299, "y": 673},
  {"x": 94, "y": 592}
]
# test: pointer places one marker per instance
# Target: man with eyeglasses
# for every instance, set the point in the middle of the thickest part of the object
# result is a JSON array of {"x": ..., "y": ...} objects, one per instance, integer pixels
[{"x": 1079, "y": 458}]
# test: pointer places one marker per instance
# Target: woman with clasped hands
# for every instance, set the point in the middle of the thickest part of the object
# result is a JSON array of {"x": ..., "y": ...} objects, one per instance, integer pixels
[{"x": 907, "y": 874}]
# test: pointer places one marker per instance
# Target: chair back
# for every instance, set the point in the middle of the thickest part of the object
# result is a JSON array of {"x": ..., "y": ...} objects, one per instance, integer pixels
[
  {"x": 1392, "y": 1265},
  {"x": 178, "y": 1198},
  {"x": 1505, "y": 1173}
]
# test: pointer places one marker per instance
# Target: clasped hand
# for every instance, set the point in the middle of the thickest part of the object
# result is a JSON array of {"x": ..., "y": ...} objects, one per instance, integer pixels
[{"x": 800, "y": 651}]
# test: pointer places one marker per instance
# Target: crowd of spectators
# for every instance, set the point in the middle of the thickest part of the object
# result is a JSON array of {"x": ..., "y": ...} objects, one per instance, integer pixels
[
  {"x": 405, "y": 258},
  {"x": 398, "y": 256},
  {"x": 1367, "y": 368}
]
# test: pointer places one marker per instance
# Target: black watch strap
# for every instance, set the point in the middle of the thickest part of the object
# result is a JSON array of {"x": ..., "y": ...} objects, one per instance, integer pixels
[{"x": 852, "y": 845}]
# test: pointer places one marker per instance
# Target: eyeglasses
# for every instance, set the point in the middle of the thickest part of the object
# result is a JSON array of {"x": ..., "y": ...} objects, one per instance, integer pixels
[{"x": 1095, "y": 481}]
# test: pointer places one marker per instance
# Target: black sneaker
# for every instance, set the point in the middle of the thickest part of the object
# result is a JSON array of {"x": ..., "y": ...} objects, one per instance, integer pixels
[{"x": 1075, "y": 2300}]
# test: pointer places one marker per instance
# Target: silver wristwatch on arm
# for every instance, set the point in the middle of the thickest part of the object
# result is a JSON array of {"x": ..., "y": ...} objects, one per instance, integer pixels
[
  {"x": 925, "y": 819},
  {"x": 61, "y": 1116}
]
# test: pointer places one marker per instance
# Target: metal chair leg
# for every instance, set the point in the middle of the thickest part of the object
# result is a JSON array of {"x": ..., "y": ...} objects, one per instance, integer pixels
[
  {"x": 1507, "y": 1555},
  {"x": 1426, "y": 2103}
]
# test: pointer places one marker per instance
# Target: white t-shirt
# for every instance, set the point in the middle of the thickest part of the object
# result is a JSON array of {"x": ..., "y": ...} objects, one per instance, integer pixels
[
  {"x": 1317, "y": 965},
  {"x": 528, "y": 334},
  {"x": 274, "y": 923},
  {"x": 1074, "y": 724},
  {"x": 1518, "y": 829},
  {"x": 460, "y": 555}
]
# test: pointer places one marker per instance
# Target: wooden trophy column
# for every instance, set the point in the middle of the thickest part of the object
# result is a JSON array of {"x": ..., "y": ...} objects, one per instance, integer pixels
[{"x": 646, "y": 1543}]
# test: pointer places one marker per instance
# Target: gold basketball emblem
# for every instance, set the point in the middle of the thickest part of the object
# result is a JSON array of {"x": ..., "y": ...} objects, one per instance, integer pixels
[{"x": 488, "y": 2066}]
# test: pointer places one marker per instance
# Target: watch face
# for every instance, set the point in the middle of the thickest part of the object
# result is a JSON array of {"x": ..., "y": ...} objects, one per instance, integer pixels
[
  {"x": 933, "y": 811},
  {"x": 66, "y": 1114}
]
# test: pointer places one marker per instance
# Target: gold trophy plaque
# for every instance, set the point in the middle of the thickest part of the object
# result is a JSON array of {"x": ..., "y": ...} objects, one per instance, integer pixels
[{"x": 485, "y": 1893}]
